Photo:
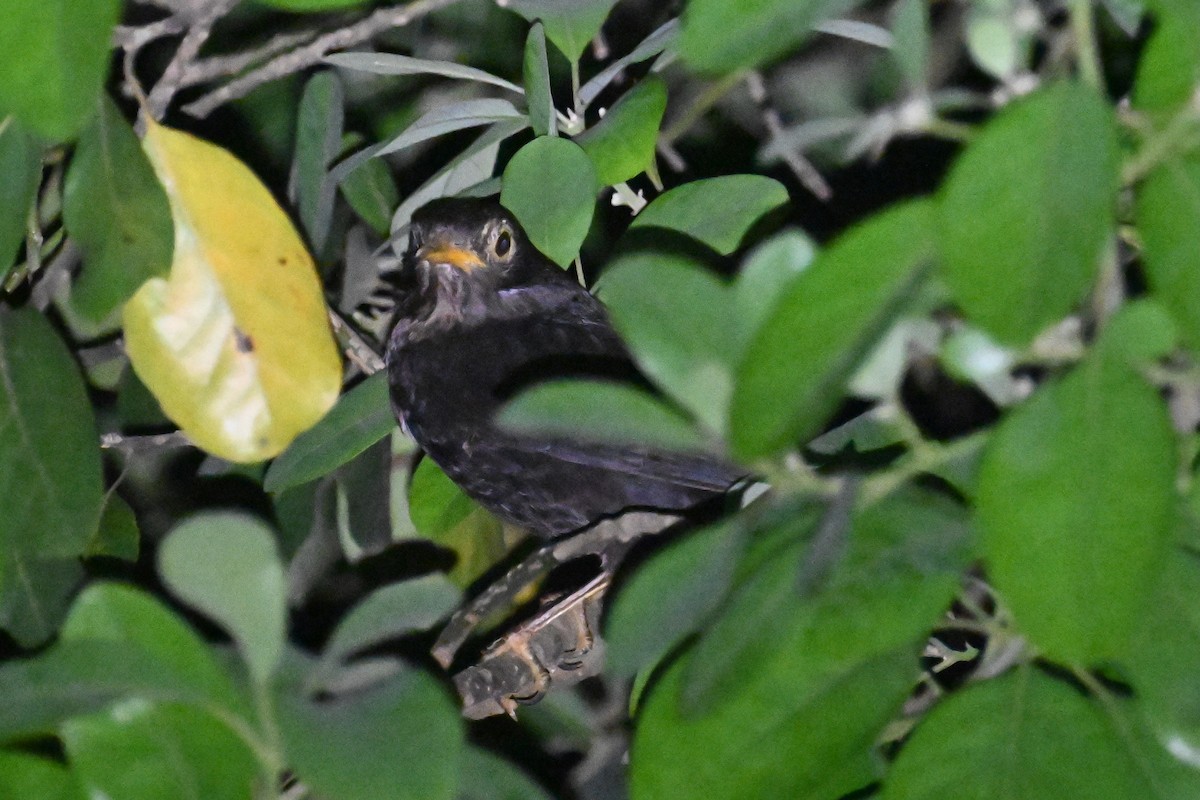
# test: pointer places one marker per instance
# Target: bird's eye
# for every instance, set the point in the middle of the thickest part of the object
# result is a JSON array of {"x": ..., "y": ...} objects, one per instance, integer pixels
[{"x": 503, "y": 243}]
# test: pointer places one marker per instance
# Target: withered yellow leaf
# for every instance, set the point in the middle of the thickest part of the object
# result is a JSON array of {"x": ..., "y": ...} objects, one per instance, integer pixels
[{"x": 235, "y": 342}]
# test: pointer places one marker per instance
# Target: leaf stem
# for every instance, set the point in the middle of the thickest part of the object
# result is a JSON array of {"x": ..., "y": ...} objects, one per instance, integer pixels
[
  {"x": 1086, "y": 53},
  {"x": 1180, "y": 135}
]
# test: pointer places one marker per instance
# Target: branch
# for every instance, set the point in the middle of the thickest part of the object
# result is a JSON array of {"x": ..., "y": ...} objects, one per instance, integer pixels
[{"x": 200, "y": 26}]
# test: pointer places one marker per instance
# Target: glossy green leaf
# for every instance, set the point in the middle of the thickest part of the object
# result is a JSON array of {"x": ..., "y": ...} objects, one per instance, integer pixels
[
  {"x": 825, "y": 322},
  {"x": 621, "y": 144},
  {"x": 537, "y": 83},
  {"x": 54, "y": 56},
  {"x": 23, "y": 775},
  {"x": 1168, "y": 217},
  {"x": 670, "y": 596},
  {"x": 35, "y": 594},
  {"x": 319, "y": 121},
  {"x": 20, "y": 174},
  {"x": 454, "y": 117},
  {"x": 371, "y": 192},
  {"x": 159, "y": 752},
  {"x": 1023, "y": 736},
  {"x": 391, "y": 612},
  {"x": 716, "y": 211},
  {"x": 50, "y": 484},
  {"x": 600, "y": 411},
  {"x": 1027, "y": 211},
  {"x": 117, "y": 212},
  {"x": 396, "y": 64},
  {"x": 1075, "y": 499},
  {"x": 570, "y": 24},
  {"x": 361, "y": 417},
  {"x": 400, "y": 740},
  {"x": 727, "y": 35},
  {"x": 210, "y": 552},
  {"x": 550, "y": 185},
  {"x": 674, "y": 314}
]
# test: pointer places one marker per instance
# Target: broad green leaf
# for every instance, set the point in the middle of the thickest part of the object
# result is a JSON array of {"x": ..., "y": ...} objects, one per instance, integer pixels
[
  {"x": 435, "y": 502},
  {"x": 159, "y": 752},
  {"x": 537, "y": 83},
  {"x": 116, "y": 211},
  {"x": 361, "y": 417},
  {"x": 825, "y": 322},
  {"x": 670, "y": 596},
  {"x": 400, "y": 740},
  {"x": 50, "y": 482},
  {"x": 1168, "y": 218},
  {"x": 35, "y": 594},
  {"x": 728, "y": 35},
  {"x": 20, "y": 174},
  {"x": 658, "y": 41},
  {"x": 454, "y": 117},
  {"x": 54, "y": 56},
  {"x": 319, "y": 121},
  {"x": 621, "y": 144},
  {"x": 1169, "y": 68},
  {"x": 778, "y": 733},
  {"x": 391, "y": 612},
  {"x": 23, "y": 775},
  {"x": 226, "y": 565},
  {"x": 550, "y": 185},
  {"x": 716, "y": 211},
  {"x": 600, "y": 411},
  {"x": 118, "y": 535},
  {"x": 395, "y": 64},
  {"x": 570, "y": 24},
  {"x": 765, "y": 274},
  {"x": 1023, "y": 736},
  {"x": 235, "y": 344},
  {"x": 1075, "y": 499},
  {"x": 675, "y": 316},
  {"x": 371, "y": 192},
  {"x": 488, "y": 777},
  {"x": 1027, "y": 211}
]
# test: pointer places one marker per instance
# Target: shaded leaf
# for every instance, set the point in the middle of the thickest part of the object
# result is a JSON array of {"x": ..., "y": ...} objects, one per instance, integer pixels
[
  {"x": 621, "y": 145},
  {"x": 488, "y": 777},
  {"x": 454, "y": 117},
  {"x": 395, "y": 64},
  {"x": 391, "y": 612},
  {"x": 537, "y": 83},
  {"x": 371, "y": 192},
  {"x": 118, "y": 535},
  {"x": 35, "y": 594},
  {"x": 550, "y": 185},
  {"x": 716, "y": 211},
  {"x": 235, "y": 344},
  {"x": 570, "y": 24},
  {"x": 319, "y": 121},
  {"x": 210, "y": 552},
  {"x": 20, "y": 174}
]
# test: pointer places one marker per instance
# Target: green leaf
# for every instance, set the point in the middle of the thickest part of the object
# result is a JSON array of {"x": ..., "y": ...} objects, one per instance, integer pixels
[
  {"x": 488, "y": 777},
  {"x": 23, "y": 775},
  {"x": 1168, "y": 218},
  {"x": 570, "y": 24},
  {"x": 454, "y": 117},
  {"x": 728, "y": 35},
  {"x": 1023, "y": 736},
  {"x": 621, "y": 144},
  {"x": 537, "y": 83},
  {"x": 1075, "y": 500},
  {"x": 400, "y": 740},
  {"x": 825, "y": 322},
  {"x": 117, "y": 212},
  {"x": 910, "y": 27},
  {"x": 35, "y": 594},
  {"x": 395, "y": 64},
  {"x": 50, "y": 483},
  {"x": 391, "y": 612},
  {"x": 226, "y": 566},
  {"x": 670, "y": 595},
  {"x": 361, "y": 417},
  {"x": 118, "y": 535},
  {"x": 20, "y": 174},
  {"x": 436, "y": 504},
  {"x": 53, "y": 60},
  {"x": 319, "y": 122},
  {"x": 371, "y": 192},
  {"x": 599, "y": 411},
  {"x": 142, "y": 750},
  {"x": 767, "y": 271},
  {"x": 1169, "y": 68},
  {"x": 674, "y": 314},
  {"x": 716, "y": 211},
  {"x": 550, "y": 185},
  {"x": 1027, "y": 211}
]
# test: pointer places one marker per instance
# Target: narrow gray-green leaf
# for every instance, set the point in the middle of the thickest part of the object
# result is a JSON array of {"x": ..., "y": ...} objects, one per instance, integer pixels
[
  {"x": 318, "y": 140},
  {"x": 395, "y": 64},
  {"x": 371, "y": 192},
  {"x": 602, "y": 412},
  {"x": 550, "y": 185},
  {"x": 621, "y": 145},
  {"x": 658, "y": 41},
  {"x": 537, "y": 83},
  {"x": 227, "y": 566},
  {"x": 570, "y": 24},
  {"x": 794, "y": 370},
  {"x": 391, "y": 612},
  {"x": 1027, "y": 211},
  {"x": 20, "y": 174},
  {"x": 361, "y": 417},
  {"x": 910, "y": 27},
  {"x": 453, "y": 117},
  {"x": 50, "y": 482},
  {"x": 716, "y": 211},
  {"x": 116, "y": 211}
]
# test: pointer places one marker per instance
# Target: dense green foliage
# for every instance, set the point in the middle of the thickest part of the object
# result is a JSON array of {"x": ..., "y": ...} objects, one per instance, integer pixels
[{"x": 969, "y": 376}]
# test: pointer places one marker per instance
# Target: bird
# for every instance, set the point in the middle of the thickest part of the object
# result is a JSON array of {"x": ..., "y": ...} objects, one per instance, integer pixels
[{"x": 481, "y": 315}]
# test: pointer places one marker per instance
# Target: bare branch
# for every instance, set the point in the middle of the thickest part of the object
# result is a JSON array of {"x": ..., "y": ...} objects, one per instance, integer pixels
[
  {"x": 306, "y": 56},
  {"x": 197, "y": 34}
]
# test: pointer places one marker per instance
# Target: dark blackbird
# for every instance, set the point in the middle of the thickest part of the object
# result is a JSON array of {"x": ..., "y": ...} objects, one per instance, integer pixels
[{"x": 483, "y": 315}]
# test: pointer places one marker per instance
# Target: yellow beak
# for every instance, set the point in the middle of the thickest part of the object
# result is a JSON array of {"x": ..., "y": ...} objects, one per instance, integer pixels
[{"x": 456, "y": 257}]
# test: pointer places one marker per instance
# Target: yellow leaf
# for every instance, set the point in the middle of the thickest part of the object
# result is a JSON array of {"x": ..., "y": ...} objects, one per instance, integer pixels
[{"x": 235, "y": 342}]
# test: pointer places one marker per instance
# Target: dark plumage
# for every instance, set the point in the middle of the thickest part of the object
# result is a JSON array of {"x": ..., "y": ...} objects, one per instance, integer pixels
[{"x": 483, "y": 315}]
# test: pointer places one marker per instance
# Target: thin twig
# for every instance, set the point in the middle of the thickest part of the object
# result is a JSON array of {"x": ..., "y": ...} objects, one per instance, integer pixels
[
  {"x": 189, "y": 48},
  {"x": 800, "y": 166},
  {"x": 312, "y": 53}
]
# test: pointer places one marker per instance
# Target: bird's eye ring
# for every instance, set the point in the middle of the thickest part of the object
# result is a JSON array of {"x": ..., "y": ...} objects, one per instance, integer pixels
[{"x": 503, "y": 243}]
